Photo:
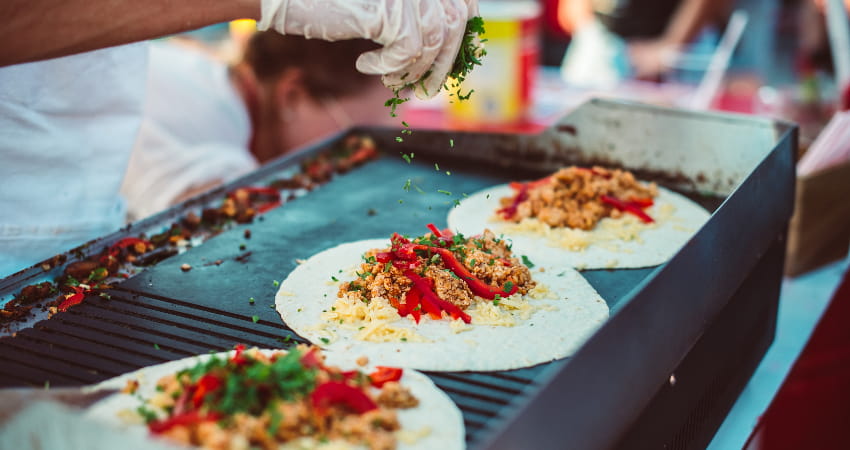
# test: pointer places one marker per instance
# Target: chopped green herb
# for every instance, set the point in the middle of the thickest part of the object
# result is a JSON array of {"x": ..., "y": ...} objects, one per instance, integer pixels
[
  {"x": 406, "y": 186},
  {"x": 399, "y": 139},
  {"x": 255, "y": 319},
  {"x": 276, "y": 283},
  {"x": 527, "y": 262},
  {"x": 251, "y": 300},
  {"x": 436, "y": 167},
  {"x": 444, "y": 192},
  {"x": 334, "y": 279},
  {"x": 404, "y": 339},
  {"x": 325, "y": 340},
  {"x": 156, "y": 346},
  {"x": 508, "y": 286},
  {"x": 451, "y": 142}
]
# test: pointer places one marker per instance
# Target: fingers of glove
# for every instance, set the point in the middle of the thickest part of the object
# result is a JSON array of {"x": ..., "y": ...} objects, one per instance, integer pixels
[
  {"x": 456, "y": 11},
  {"x": 472, "y": 9},
  {"x": 433, "y": 39},
  {"x": 272, "y": 14},
  {"x": 331, "y": 20}
]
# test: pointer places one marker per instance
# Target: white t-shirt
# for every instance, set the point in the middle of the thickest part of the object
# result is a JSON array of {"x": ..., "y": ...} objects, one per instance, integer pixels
[
  {"x": 195, "y": 130},
  {"x": 66, "y": 129}
]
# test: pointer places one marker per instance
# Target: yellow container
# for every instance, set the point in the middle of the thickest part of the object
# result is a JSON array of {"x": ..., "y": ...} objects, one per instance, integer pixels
[{"x": 504, "y": 82}]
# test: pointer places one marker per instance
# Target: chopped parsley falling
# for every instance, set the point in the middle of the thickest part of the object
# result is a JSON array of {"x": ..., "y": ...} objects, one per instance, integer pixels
[{"x": 527, "y": 262}]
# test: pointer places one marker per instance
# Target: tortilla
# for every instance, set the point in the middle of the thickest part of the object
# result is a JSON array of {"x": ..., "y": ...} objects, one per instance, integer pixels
[
  {"x": 555, "y": 326},
  {"x": 435, "y": 423},
  {"x": 620, "y": 243}
]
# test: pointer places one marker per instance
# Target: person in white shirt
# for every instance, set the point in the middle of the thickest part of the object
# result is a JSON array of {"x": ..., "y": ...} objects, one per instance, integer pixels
[
  {"x": 68, "y": 124},
  {"x": 205, "y": 123}
]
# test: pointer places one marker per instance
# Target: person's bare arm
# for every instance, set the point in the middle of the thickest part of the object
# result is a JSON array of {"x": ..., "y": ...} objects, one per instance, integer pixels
[
  {"x": 41, "y": 29},
  {"x": 691, "y": 17},
  {"x": 651, "y": 57}
]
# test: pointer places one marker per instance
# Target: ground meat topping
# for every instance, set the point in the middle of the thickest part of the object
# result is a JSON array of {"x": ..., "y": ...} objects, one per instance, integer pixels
[
  {"x": 441, "y": 272},
  {"x": 574, "y": 197}
]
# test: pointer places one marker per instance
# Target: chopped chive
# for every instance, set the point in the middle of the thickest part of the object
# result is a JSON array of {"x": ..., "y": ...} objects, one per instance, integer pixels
[
  {"x": 335, "y": 279},
  {"x": 444, "y": 192},
  {"x": 451, "y": 142},
  {"x": 436, "y": 167},
  {"x": 255, "y": 319}
]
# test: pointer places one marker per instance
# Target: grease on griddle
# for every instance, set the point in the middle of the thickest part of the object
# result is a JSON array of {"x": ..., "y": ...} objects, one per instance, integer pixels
[{"x": 92, "y": 273}]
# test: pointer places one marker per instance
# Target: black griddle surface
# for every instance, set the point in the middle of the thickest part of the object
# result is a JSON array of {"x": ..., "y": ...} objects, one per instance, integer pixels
[{"x": 166, "y": 313}]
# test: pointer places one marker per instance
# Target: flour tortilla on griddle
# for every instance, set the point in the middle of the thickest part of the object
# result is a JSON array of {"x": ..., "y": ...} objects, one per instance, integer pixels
[
  {"x": 676, "y": 219},
  {"x": 436, "y": 414},
  {"x": 557, "y": 327}
]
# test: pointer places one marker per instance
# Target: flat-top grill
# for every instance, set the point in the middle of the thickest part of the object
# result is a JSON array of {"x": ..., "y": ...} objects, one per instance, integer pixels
[{"x": 682, "y": 339}]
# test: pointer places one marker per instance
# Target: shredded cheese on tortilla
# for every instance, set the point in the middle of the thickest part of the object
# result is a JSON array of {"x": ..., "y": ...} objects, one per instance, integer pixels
[
  {"x": 509, "y": 311},
  {"x": 607, "y": 234},
  {"x": 371, "y": 320},
  {"x": 410, "y": 437}
]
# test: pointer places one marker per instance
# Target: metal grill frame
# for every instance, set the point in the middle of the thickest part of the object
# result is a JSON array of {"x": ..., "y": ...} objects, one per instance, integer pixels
[{"x": 161, "y": 314}]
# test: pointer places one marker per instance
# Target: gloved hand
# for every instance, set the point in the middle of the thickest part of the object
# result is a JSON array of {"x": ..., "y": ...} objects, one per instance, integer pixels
[{"x": 419, "y": 37}]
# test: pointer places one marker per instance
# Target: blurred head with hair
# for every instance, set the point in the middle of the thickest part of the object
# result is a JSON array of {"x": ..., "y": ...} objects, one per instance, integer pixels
[{"x": 298, "y": 90}]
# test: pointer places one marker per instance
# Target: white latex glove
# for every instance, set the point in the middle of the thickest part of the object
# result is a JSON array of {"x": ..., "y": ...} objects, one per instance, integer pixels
[{"x": 418, "y": 36}]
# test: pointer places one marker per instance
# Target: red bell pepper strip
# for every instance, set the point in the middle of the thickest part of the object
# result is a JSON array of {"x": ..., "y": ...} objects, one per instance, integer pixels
[
  {"x": 627, "y": 207},
  {"x": 434, "y": 230},
  {"x": 431, "y": 303},
  {"x": 336, "y": 392},
  {"x": 410, "y": 305},
  {"x": 189, "y": 418},
  {"x": 477, "y": 286},
  {"x": 205, "y": 385},
  {"x": 508, "y": 212},
  {"x": 642, "y": 202},
  {"x": 383, "y": 374},
  {"x": 76, "y": 298},
  {"x": 384, "y": 257},
  {"x": 239, "y": 355},
  {"x": 310, "y": 360}
]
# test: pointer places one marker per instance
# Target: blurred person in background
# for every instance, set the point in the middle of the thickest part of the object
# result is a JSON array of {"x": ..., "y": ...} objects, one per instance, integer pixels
[
  {"x": 205, "y": 123},
  {"x": 71, "y": 93},
  {"x": 617, "y": 39}
]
